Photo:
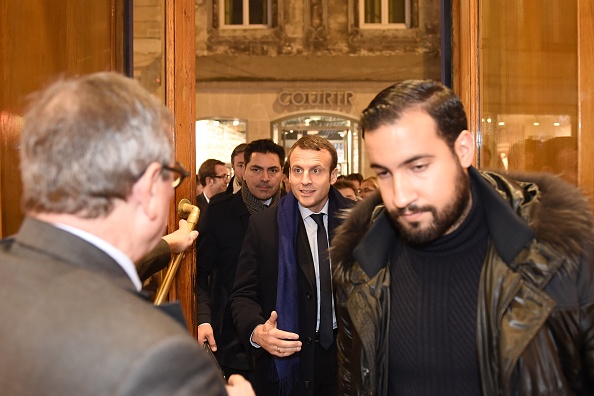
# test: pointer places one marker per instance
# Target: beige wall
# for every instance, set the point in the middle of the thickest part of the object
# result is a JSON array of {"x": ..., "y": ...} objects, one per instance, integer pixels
[{"x": 257, "y": 103}]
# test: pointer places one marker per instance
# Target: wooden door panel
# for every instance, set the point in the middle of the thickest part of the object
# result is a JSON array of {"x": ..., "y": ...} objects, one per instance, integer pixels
[{"x": 43, "y": 40}]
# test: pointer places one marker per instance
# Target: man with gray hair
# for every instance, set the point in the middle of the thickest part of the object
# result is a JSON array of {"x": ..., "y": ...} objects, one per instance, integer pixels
[{"x": 98, "y": 175}]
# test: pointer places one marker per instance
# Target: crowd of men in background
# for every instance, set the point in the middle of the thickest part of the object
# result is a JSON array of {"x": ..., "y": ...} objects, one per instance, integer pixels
[
  {"x": 446, "y": 280},
  {"x": 211, "y": 179},
  {"x": 389, "y": 320},
  {"x": 227, "y": 231}
]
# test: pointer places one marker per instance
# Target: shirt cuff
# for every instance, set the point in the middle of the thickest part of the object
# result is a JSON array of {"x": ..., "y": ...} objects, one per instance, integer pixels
[{"x": 251, "y": 339}]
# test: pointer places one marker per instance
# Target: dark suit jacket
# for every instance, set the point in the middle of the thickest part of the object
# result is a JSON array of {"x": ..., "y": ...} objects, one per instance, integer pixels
[
  {"x": 220, "y": 237},
  {"x": 201, "y": 202},
  {"x": 230, "y": 186},
  {"x": 255, "y": 288},
  {"x": 155, "y": 261},
  {"x": 73, "y": 324}
]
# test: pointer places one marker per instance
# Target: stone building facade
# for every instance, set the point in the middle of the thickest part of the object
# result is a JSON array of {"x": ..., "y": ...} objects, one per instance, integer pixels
[{"x": 311, "y": 67}]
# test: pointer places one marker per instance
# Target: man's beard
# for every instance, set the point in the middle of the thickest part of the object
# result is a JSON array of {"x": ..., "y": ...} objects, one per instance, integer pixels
[{"x": 416, "y": 235}]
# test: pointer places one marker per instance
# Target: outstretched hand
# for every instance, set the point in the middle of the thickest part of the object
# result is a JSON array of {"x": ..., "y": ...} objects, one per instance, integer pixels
[{"x": 276, "y": 342}]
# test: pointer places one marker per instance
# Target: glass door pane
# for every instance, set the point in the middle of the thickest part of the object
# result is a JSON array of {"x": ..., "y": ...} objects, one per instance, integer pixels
[{"x": 528, "y": 85}]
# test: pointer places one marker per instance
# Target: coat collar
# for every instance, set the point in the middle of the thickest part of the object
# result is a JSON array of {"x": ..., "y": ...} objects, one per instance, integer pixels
[
  {"x": 509, "y": 232},
  {"x": 63, "y": 246},
  {"x": 519, "y": 210}
]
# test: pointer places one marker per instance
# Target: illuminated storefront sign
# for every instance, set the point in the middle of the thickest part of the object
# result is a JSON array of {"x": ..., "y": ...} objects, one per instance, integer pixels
[{"x": 316, "y": 98}]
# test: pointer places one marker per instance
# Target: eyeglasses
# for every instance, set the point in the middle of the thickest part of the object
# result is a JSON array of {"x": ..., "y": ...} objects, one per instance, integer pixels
[
  {"x": 222, "y": 177},
  {"x": 179, "y": 170}
]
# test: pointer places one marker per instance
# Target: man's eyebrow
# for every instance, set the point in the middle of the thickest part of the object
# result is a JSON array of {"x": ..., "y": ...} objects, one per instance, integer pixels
[
  {"x": 416, "y": 158},
  {"x": 378, "y": 167},
  {"x": 405, "y": 162}
]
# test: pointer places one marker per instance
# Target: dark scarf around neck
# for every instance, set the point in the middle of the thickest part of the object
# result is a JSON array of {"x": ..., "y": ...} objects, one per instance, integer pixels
[{"x": 254, "y": 205}]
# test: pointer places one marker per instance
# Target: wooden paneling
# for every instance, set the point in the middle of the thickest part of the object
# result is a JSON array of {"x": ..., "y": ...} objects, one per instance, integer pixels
[
  {"x": 586, "y": 95},
  {"x": 43, "y": 40},
  {"x": 180, "y": 97}
]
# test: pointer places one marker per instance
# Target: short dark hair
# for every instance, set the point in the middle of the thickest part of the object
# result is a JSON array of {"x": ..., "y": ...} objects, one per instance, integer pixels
[
  {"x": 264, "y": 146},
  {"x": 355, "y": 176},
  {"x": 240, "y": 148},
  {"x": 208, "y": 169},
  {"x": 437, "y": 100},
  {"x": 344, "y": 183},
  {"x": 317, "y": 143}
]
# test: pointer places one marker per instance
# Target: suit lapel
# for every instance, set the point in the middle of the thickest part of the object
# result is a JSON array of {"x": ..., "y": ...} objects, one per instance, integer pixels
[
  {"x": 335, "y": 204},
  {"x": 304, "y": 255}
]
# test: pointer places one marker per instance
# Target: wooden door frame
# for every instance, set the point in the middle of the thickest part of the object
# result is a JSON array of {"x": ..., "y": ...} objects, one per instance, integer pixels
[
  {"x": 585, "y": 97},
  {"x": 465, "y": 60},
  {"x": 180, "y": 97}
]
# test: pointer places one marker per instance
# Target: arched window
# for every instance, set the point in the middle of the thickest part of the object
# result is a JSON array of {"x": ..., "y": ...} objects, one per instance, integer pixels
[{"x": 340, "y": 130}]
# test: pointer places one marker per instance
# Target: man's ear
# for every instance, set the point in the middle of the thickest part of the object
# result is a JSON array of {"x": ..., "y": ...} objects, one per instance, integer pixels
[
  {"x": 464, "y": 148},
  {"x": 145, "y": 191},
  {"x": 333, "y": 176}
]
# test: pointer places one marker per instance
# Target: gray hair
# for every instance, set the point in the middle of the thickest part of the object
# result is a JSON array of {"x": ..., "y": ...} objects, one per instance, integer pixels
[{"x": 87, "y": 140}]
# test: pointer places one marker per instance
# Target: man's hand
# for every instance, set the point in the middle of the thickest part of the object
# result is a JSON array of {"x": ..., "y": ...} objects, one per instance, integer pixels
[
  {"x": 276, "y": 342},
  {"x": 182, "y": 238},
  {"x": 239, "y": 386},
  {"x": 205, "y": 334}
]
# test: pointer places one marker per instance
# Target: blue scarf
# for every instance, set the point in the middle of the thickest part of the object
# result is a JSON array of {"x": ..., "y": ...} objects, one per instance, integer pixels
[{"x": 286, "y": 370}]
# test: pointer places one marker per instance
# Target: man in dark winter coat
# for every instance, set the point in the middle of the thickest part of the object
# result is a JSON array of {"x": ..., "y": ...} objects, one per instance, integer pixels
[
  {"x": 222, "y": 232},
  {"x": 455, "y": 281}
]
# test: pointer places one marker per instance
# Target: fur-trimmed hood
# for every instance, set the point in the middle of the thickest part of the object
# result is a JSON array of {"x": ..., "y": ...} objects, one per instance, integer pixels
[{"x": 558, "y": 214}]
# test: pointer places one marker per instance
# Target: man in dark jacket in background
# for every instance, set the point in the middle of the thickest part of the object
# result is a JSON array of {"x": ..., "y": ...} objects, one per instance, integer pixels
[
  {"x": 222, "y": 231},
  {"x": 238, "y": 165},
  {"x": 453, "y": 281}
]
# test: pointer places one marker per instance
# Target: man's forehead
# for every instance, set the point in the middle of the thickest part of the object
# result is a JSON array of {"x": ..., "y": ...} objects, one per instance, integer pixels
[
  {"x": 308, "y": 154},
  {"x": 264, "y": 159}
]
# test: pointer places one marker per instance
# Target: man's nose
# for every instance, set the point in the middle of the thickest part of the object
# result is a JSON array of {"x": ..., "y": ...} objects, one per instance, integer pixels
[{"x": 404, "y": 191}]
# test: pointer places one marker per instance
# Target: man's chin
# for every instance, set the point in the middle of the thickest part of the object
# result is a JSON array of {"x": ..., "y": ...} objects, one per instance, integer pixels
[{"x": 416, "y": 233}]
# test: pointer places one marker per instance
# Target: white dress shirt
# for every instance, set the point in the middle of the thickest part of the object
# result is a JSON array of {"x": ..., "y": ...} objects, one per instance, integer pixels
[{"x": 311, "y": 228}]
